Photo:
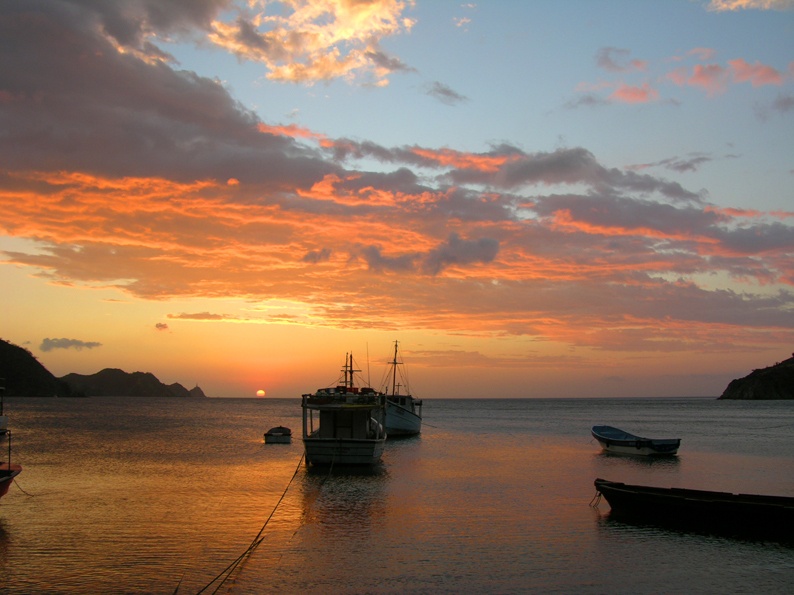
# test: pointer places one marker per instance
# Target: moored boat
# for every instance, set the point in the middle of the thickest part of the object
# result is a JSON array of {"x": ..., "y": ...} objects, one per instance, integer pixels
[
  {"x": 8, "y": 470},
  {"x": 278, "y": 435},
  {"x": 740, "y": 511},
  {"x": 616, "y": 441},
  {"x": 403, "y": 411},
  {"x": 345, "y": 424}
]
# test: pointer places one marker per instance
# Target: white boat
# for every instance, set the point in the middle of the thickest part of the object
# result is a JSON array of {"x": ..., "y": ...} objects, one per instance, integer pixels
[
  {"x": 8, "y": 470},
  {"x": 344, "y": 425},
  {"x": 617, "y": 441},
  {"x": 403, "y": 412},
  {"x": 278, "y": 435}
]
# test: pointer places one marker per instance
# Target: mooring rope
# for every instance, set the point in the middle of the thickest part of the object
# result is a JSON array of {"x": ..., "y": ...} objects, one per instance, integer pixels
[
  {"x": 16, "y": 483},
  {"x": 227, "y": 572},
  {"x": 596, "y": 500}
]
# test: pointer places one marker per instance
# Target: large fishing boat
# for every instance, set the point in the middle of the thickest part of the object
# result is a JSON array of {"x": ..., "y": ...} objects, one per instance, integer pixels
[
  {"x": 8, "y": 470},
  {"x": 403, "y": 411},
  {"x": 344, "y": 424}
]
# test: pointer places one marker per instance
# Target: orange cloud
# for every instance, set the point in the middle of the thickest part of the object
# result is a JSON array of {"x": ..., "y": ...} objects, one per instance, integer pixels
[
  {"x": 733, "y": 5},
  {"x": 712, "y": 78},
  {"x": 629, "y": 94},
  {"x": 291, "y": 130},
  {"x": 318, "y": 40},
  {"x": 478, "y": 162},
  {"x": 757, "y": 74}
]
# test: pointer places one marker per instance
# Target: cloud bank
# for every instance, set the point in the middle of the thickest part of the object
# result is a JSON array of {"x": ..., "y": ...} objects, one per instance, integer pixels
[{"x": 130, "y": 173}]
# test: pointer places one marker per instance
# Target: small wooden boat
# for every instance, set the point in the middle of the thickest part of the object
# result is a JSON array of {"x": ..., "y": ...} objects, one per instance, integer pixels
[
  {"x": 403, "y": 412},
  {"x": 8, "y": 470},
  {"x": 344, "y": 425},
  {"x": 617, "y": 441},
  {"x": 278, "y": 435},
  {"x": 698, "y": 507}
]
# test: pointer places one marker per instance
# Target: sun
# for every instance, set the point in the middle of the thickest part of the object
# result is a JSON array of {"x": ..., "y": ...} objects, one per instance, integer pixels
[{"x": 260, "y": 393}]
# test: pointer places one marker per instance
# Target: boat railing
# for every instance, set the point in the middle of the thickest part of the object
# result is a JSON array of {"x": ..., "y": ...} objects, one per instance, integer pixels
[{"x": 342, "y": 398}]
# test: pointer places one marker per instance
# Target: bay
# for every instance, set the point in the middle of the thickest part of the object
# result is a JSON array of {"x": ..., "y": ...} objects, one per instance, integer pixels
[{"x": 163, "y": 495}]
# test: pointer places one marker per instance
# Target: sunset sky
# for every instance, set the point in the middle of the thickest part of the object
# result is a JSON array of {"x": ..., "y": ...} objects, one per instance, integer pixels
[{"x": 537, "y": 199}]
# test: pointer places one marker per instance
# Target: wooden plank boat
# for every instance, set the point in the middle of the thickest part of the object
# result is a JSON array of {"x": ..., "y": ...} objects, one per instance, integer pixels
[
  {"x": 698, "y": 507},
  {"x": 344, "y": 425},
  {"x": 278, "y": 435},
  {"x": 403, "y": 412},
  {"x": 616, "y": 441}
]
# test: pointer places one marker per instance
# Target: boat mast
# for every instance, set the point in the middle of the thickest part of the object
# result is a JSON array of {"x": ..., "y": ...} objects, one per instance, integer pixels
[
  {"x": 394, "y": 371},
  {"x": 349, "y": 371}
]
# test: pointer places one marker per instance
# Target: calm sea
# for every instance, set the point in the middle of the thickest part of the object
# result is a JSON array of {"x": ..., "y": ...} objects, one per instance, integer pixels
[{"x": 162, "y": 496}]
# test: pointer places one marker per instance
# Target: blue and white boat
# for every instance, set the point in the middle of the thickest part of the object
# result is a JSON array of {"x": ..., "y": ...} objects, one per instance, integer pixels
[{"x": 616, "y": 441}]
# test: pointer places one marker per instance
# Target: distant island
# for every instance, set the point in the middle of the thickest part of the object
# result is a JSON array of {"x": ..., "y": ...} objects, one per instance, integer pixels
[
  {"x": 25, "y": 376},
  {"x": 772, "y": 383}
]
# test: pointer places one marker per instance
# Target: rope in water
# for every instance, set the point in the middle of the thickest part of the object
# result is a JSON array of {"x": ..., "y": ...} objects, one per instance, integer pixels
[
  {"x": 16, "y": 483},
  {"x": 227, "y": 572}
]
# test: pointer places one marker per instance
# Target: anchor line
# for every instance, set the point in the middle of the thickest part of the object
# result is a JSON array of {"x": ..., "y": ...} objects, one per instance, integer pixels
[
  {"x": 253, "y": 545},
  {"x": 22, "y": 490},
  {"x": 596, "y": 500}
]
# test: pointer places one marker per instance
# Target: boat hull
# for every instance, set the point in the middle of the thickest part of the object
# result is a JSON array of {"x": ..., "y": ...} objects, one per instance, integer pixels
[
  {"x": 698, "y": 507},
  {"x": 401, "y": 421},
  {"x": 335, "y": 451},
  {"x": 7, "y": 475}
]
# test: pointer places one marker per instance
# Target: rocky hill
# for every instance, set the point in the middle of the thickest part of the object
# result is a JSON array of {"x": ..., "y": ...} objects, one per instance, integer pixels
[
  {"x": 111, "y": 382},
  {"x": 774, "y": 382},
  {"x": 25, "y": 376}
]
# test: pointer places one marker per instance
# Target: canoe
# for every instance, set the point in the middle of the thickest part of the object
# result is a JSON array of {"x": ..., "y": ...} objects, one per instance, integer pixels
[{"x": 724, "y": 510}]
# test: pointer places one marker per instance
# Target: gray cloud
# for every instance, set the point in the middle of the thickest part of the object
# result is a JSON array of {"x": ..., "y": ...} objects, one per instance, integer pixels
[
  {"x": 76, "y": 344},
  {"x": 92, "y": 108},
  {"x": 315, "y": 256},
  {"x": 458, "y": 251},
  {"x": 445, "y": 94},
  {"x": 616, "y": 60}
]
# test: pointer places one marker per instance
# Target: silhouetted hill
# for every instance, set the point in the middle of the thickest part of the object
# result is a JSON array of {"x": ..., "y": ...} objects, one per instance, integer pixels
[
  {"x": 774, "y": 382},
  {"x": 112, "y": 382},
  {"x": 25, "y": 376}
]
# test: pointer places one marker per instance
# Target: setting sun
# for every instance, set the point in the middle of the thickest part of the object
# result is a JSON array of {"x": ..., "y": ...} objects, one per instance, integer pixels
[{"x": 260, "y": 393}]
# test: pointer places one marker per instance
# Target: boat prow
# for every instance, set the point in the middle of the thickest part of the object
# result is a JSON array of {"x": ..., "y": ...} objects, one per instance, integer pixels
[{"x": 8, "y": 472}]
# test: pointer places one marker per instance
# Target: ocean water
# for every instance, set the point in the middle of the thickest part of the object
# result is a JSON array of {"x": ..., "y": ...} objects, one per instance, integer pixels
[{"x": 168, "y": 496}]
